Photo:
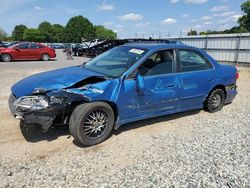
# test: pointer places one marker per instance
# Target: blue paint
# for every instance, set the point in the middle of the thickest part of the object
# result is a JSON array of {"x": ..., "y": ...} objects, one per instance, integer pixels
[{"x": 138, "y": 97}]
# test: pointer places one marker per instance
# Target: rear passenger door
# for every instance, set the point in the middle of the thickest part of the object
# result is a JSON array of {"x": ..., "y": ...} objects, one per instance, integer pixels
[
  {"x": 197, "y": 77},
  {"x": 35, "y": 51}
]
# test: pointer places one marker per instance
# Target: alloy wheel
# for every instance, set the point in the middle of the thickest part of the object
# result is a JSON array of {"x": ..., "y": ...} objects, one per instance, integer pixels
[
  {"x": 215, "y": 101},
  {"x": 95, "y": 124},
  {"x": 6, "y": 58}
]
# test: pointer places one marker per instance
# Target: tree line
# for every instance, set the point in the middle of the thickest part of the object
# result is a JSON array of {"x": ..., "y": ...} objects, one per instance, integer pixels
[
  {"x": 77, "y": 29},
  {"x": 243, "y": 21}
]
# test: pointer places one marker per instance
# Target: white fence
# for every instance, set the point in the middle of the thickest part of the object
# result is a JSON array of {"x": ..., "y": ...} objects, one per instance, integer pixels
[{"x": 234, "y": 48}]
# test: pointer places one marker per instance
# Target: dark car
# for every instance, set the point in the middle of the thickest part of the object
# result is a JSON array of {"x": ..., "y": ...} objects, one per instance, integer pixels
[
  {"x": 131, "y": 82},
  {"x": 27, "y": 51}
]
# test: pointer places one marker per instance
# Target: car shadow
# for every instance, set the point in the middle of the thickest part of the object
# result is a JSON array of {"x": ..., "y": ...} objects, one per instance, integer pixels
[
  {"x": 29, "y": 60},
  {"x": 35, "y": 134}
]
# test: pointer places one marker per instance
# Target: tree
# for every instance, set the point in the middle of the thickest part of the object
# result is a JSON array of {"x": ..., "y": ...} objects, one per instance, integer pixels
[
  {"x": 244, "y": 21},
  {"x": 79, "y": 28},
  {"x": 102, "y": 33},
  {"x": 46, "y": 31},
  {"x": 33, "y": 35},
  {"x": 3, "y": 35},
  {"x": 192, "y": 32},
  {"x": 58, "y": 33},
  {"x": 17, "y": 33}
]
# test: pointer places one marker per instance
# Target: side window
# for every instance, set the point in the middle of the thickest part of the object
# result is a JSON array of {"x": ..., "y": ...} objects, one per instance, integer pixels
[
  {"x": 23, "y": 46},
  {"x": 192, "y": 61},
  {"x": 35, "y": 46},
  {"x": 159, "y": 63}
]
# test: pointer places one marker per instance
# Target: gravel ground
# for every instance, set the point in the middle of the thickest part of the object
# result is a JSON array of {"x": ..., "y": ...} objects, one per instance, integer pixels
[{"x": 191, "y": 149}]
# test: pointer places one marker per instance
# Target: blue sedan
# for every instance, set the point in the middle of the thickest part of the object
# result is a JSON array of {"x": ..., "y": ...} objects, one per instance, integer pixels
[{"x": 131, "y": 82}]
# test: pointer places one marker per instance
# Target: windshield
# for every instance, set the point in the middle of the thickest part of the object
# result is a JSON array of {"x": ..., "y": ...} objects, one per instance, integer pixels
[
  {"x": 12, "y": 44},
  {"x": 115, "y": 61}
]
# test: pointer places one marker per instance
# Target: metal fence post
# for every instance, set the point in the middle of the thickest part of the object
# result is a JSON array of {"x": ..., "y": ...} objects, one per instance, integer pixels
[
  {"x": 206, "y": 41},
  {"x": 238, "y": 50}
]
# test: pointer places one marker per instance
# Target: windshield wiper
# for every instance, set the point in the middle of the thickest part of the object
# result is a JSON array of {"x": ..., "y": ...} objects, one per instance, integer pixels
[{"x": 83, "y": 65}]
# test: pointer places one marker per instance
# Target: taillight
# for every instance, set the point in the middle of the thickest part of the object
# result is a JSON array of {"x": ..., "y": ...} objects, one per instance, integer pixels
[{"x": 237, "y": 75}]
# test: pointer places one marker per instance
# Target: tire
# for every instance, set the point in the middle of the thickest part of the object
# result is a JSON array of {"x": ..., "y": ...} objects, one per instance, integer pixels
[
  {"x": 45, "y": 57},
  {"x": 5, "y": 57},
  {"x": 91, "y": 123},
  {"x": 215, "y": 101}
]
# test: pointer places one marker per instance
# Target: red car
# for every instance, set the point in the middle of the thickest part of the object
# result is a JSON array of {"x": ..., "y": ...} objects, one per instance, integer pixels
[{"x": 27, "y": 51}]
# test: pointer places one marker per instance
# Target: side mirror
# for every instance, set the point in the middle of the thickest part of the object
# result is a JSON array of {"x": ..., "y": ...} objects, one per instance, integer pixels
[{"x": 139, "y": 83}]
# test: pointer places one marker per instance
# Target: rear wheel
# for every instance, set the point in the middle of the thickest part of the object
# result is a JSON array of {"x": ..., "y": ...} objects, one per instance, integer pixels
[
  {"x": 45, "y": 57},
  {"x": 215, "y": 101},
  {"x": 91, "y": 123},
  {"x": 6, "y": 57}
]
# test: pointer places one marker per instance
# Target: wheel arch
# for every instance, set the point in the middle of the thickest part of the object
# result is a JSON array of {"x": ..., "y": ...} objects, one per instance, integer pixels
[
  {"x": 110, "y": 103},
  {"x": 113, "y": 106},
  {"x": 7, "y": 54},
  {"x": 219, "y": 86}
]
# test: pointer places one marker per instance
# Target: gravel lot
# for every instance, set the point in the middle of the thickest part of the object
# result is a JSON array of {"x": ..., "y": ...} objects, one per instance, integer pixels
[{"x": 192, "y": 149}]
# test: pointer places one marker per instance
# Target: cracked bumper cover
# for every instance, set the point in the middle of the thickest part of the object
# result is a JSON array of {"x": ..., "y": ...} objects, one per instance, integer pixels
[
  {"x": 42, "y": 117},
  {"x": 46, "y": 117}
]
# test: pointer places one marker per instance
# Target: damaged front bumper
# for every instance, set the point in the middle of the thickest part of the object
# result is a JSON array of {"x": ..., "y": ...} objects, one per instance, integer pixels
[
  {"x": 57, "y": 111},
  {"x": 43, "y": 117}
]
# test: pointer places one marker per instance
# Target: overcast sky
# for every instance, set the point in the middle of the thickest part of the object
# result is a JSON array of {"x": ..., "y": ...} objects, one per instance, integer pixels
[{"x": 126, "y": 17}]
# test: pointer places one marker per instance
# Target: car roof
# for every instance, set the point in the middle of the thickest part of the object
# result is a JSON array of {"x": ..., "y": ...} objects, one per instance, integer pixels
[{"x": 157, "y": 45}]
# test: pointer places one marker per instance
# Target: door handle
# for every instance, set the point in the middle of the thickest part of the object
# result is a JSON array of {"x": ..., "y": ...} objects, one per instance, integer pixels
[
  {"x": 171, "y": 85},
  {"x": 210, "y": 80}
]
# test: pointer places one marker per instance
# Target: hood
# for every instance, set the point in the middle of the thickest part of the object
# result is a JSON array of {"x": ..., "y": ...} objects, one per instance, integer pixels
[{"x": 52, "y": 80}]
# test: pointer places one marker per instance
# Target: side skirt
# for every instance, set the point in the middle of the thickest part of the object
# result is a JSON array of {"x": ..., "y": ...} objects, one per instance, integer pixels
[{"x": 121, "y": 122}]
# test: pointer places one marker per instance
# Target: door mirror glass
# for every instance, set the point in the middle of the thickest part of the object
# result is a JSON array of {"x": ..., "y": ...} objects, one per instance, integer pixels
[{"x": 16, "y": 48}]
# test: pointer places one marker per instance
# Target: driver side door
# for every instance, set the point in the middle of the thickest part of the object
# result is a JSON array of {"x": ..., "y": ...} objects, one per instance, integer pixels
[
  {"x": 22, "y": 51},
  {"x": 160, "y": 90}
]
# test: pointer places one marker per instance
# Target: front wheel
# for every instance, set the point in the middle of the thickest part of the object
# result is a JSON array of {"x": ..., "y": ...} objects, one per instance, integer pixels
[
  {"x": 215, "y": 101},
  {"x": 91, "y": 123},
  {"x": 6, "y": 57}
]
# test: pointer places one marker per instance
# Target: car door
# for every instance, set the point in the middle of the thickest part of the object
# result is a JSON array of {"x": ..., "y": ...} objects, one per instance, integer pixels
[
  {"x": 22, "y": 51},
  {"x": 197, "y": 78},
  {"x": 35, "y": 51},
  {"x": 161, "y": 87}
]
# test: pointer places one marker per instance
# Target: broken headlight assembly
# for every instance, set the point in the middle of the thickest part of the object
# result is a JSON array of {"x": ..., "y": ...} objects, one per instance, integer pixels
[{"x": 31, "y": 103}]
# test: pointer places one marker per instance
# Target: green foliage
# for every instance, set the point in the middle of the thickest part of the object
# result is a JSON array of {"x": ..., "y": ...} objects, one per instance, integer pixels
[
  {"x": 17, "y": 33},
  {"x": 244, "y": 21},
  {"x": 46, "y": 31},
  {"x": 58, "y": 33},
  {"x": 33, "y": 35},
  {"x": 79, "y": 28},
  {"x": 192, "y": 32},
  {"x": 3, "y": 35},
  {"x": 103, "y": 33}
]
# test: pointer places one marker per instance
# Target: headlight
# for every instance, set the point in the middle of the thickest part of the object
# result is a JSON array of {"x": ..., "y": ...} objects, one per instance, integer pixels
[{"x": 29, "y": 103}]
